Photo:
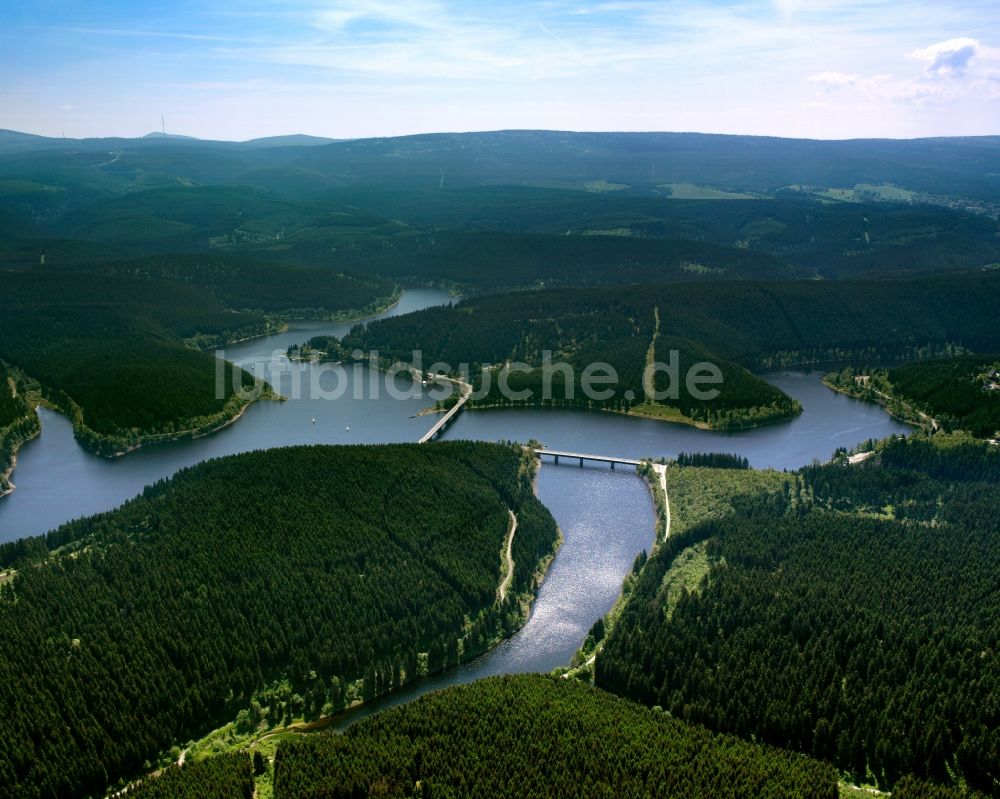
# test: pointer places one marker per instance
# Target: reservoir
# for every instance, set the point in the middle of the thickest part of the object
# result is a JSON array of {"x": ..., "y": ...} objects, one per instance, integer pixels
[{"x": 606, "y": 517}]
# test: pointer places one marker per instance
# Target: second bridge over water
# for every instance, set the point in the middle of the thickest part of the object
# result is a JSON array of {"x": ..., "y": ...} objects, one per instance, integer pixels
[{"x": 556, "y": 454}]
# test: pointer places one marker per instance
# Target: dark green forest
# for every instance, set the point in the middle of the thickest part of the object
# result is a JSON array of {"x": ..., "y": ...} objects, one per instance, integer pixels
[
  {"x": 18, "y": 423},
  {"x": 344, "y": 571},
  {"x": 275, "y": 289},
  {"x": 960, "y": 393},
  {"x": 733, "y": 325},
  {"x": 110, "y": 352},
  {"x": 493, "y": 210},
  {"x": 538, "y": 736},
  {"x": 228, "y": 776},
  {"x": 496, "y": 261},
  {"x": 912, "y": 788},
  {"x": 713, "y": 460},
  {"x": 753, "y": 324},
  {"x": 577, "y": 329},
  {"x": 852, "y": 615},
  {"x": 955, "y": 393}
]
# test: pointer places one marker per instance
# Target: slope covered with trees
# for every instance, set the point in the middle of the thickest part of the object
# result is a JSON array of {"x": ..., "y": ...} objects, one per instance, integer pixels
[
  {"x": 539, "y": 331},
  {"x": 850, "y": 612},
  {"x": 339, "y": 572},
  {"x": 481, "y": 261},
  {"x": 275, "y": 289},
  {"x": 538, "y": 736},
  {"x": 110, "y": 352},
  {"x": 228, "y": 776},
  {"x": 753, "y": 324},
  {"x": 956, "y": 393},
  {"x": 18, "y": 423}
]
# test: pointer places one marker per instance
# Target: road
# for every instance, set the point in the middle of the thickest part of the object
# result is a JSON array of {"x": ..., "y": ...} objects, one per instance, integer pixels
[{"x": 505, "y": 584}]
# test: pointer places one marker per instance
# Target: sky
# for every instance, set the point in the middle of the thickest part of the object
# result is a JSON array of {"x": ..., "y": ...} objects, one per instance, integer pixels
[{"x": 243, "y": 69}]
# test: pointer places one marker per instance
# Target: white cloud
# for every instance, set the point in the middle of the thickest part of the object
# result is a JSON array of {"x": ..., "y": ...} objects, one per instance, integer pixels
[
  {"x": 954, "y": 70},
  {"x": 837, "y": 80},
  {"x": 949, "y": 58}
]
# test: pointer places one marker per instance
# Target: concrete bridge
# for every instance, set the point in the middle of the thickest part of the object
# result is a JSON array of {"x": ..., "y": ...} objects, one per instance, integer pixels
[
  {"x": 612, "y": 459},
  {"x": 465, "y": 391}
]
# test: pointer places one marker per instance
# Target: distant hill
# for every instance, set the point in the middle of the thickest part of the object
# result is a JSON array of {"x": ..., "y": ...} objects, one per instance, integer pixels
[
  {"x": 615, "y": 162},
  {"x": 293, "y": 140},
  {"x": 861, "y": 208},
  {"x": 156, "y": 134},
  {"x": 12, "y": 141}
]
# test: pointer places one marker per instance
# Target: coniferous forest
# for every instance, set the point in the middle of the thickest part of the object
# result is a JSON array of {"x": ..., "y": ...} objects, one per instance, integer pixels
[
  {"x": 538, "y": 736},
  {"x": 227, "y": 776},
  {"x": 18, "y": 423},
  {"x": 344, "y": 571},
  {"x": 850, "y": 613}
]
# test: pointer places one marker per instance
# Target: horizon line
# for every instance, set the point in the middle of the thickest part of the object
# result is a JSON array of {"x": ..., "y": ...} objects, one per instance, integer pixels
[{"x": 180, "y": 137}]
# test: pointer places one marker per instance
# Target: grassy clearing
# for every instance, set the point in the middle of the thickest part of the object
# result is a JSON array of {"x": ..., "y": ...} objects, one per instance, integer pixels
[
  {"x": 698, "y": 494},
  {"x": 686, "y": 574}
]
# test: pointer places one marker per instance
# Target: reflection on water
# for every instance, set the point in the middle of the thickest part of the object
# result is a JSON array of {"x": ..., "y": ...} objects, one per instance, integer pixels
[{"x": 606, "y": 518}]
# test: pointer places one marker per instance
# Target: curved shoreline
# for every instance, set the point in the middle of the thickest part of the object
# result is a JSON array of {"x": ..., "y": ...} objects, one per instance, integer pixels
[
  {"x": 7, "y": 486},
  {"x": 684, "y": 421}
]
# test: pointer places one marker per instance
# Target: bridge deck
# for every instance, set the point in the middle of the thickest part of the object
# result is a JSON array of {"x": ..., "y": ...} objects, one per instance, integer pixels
[
  {"x": 583, "y": 456},
  {"x": 465, "y": 391}
]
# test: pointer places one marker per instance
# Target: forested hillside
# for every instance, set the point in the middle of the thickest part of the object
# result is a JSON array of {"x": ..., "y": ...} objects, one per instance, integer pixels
[
  {"x": 343, "y": 571},
  {"x": 496, "y": 261},
  {"x": 508, "y": 209},
  {"x": 755, "y": 324},
  {"x": 242, "y": 284},
  {"x": 957, "y": 393},
  {"x": 579, "y": 328},
  {"x": 819, "y": 236},
  {"x": 228, "y": 776},
  {"x": 538, "y": 736},
  {"x": 110, "y": 352},
  {"x": 849, "y": 612},
  {"x": 18, "y": 423}
]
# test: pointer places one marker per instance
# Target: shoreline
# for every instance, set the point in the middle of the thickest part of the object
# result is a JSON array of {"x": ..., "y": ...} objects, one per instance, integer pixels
[
  {"x": 918, "y": 419},
  {"x": 525, "y": 602},
  {"x": 92, "y": 441},
  {"x": 685, "y": 421},
  {"x": 192, "y": 433},
  {"x": 341, "y": 317},
  {"x": 7, "y": 486}
]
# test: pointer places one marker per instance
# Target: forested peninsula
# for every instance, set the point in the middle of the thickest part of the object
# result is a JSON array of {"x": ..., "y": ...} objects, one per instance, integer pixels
[
  {"x": 272, "y": 585},
  {"x": 121, "y": 347}
]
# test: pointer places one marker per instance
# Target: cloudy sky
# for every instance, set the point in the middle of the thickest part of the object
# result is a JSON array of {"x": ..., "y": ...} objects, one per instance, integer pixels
[{"x": 240, "y": 69}]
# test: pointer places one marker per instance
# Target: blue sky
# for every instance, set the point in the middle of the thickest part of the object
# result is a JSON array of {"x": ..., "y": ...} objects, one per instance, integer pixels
[{"x": 237, "y": 70}]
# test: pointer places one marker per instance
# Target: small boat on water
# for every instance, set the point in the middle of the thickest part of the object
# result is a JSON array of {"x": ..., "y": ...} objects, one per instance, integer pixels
[{"x": 348, "y": 428}]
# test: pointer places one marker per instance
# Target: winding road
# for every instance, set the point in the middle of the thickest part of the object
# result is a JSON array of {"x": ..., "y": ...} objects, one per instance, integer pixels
[{"x": 505, "y": 583}]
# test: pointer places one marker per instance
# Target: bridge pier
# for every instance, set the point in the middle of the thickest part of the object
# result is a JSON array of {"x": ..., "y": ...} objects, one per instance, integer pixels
[{"x": 557, "y": 460}]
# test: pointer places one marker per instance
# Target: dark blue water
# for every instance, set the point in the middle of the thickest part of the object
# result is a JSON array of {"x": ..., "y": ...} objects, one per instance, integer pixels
[{"x": 828, "y": 420}]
